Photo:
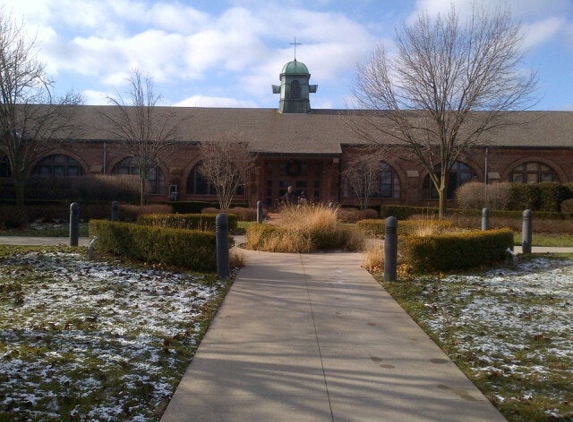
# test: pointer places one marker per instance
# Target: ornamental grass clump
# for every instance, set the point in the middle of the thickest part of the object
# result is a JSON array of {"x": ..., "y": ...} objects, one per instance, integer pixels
[{"x": 305, "y": 229}]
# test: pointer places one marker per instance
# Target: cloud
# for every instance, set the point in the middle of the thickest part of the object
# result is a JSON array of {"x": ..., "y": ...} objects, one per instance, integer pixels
[
  {"x": 540, "y": 32},
  {"x": 205, "y": 101},
  {"x": 541, "y": 20},
  {"x": 92, "y": 97},
  {"x": 232, "y": 48},
  {"x": 521, "y": 10}
]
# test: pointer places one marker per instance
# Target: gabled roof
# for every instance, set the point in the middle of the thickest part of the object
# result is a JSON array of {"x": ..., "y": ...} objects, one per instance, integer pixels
[{"x": 323, "y": 131}]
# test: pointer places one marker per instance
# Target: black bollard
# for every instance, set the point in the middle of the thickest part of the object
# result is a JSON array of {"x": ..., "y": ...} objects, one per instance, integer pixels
[
  {"x": 259, "y": 212},
  {"x": 74, "y": 223},
  {"x": 526, "y": 234},
  {"x": 485, "y": 219},
  {"x": 391, "y": 249},
  {"x": 115, "y": 211},
  {"x": 222, "y": 239}
]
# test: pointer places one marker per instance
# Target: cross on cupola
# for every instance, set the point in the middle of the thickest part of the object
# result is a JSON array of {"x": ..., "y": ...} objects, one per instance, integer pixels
[
  {"x": 295, "y": 88},
  {"x": 295, "y": 44}
]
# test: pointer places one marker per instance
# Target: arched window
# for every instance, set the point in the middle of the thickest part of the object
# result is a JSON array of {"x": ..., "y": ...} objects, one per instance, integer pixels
[
  {"x": 197, "y": 184},
  {"x": 58, "y": 165},
  {"x": 295, "y": 90},
  {"x": 155, "y": 178},
  {"x": 532, "y": 172},
  {"x": 389, "y": 182},
  {"x": 458, "y": 175}
]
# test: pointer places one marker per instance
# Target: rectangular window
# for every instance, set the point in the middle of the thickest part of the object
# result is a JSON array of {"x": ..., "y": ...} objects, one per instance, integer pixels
[{"x": 532, "y": 177}]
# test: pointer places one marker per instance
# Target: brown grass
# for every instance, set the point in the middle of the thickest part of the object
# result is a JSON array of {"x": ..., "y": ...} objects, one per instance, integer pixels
[
  {"x": 374, "y": 258},
  {"x": 242, "y": 213},
  {"x": 236, "y": 258},
  {"x": 305, "y": 229}
]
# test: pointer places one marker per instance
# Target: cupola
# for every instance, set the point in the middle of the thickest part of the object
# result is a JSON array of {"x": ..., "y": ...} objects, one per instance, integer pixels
[{"x": 294, "y": 89}]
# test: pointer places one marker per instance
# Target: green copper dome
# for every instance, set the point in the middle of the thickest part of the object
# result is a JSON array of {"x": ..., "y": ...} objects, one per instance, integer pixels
[{"x": 295, "y": 68}]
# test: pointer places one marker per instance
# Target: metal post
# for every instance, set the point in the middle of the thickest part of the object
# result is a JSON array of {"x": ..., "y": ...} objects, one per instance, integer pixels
[
  {"x": 259, "y": 212},
  {"x": 485, "y": 219},
  {"x": 391, "y": 249},
  {"x": 74, "y": 223},
  {"x": 115, "y": 211},
  {"x": 526, "y": 234},
  {"x": 222, "y": 239}
]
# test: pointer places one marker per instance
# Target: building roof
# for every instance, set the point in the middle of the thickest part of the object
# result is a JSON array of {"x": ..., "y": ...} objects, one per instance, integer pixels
[
  {"x": 295, "y": 68},
  {"x": 323, "y": 131}
]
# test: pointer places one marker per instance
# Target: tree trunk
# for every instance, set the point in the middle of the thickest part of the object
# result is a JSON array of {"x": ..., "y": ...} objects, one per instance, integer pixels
[
  {"x": 141, "y": 191},
  {"x": 19, "y": 189},
  {"x": 442, "y": 196}
]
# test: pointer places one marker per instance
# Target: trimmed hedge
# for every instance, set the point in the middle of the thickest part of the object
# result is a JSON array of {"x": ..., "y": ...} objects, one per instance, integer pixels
[
  {"x": 455, "y": 251},
  {"x": 195, "y": 207},
  {"x": 191, "y": 249},
  {"x": 405, "y": 212},
  {"x": 185, "y": 221},
  {"x": 377, "y": 227}
]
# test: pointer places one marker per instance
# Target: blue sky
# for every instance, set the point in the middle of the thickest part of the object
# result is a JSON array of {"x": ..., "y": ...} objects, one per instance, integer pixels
[{"x": 228, "y": 53}]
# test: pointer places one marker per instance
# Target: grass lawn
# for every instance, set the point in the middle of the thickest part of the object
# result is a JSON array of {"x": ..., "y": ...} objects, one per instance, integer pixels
[
  {"x": 508, "y": 329},
  {"x": 549, "y": 240},
  {"x": 96, "y": 340}
]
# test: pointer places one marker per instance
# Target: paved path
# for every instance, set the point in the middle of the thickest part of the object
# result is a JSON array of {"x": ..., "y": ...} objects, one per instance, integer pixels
[
  {"x": 40, "y": 241},
  {"x": 314, "y": 337}
]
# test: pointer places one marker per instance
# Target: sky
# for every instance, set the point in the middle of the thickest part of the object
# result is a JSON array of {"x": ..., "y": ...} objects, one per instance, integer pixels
[{"x": 228, "y": 53}]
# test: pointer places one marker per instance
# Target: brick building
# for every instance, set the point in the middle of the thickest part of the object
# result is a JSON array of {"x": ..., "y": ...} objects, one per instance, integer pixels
[{"x": 309, "y": 150}]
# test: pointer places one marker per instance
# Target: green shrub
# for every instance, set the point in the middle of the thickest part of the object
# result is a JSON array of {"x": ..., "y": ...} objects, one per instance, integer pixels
[
  {"x": 377, "y": 227},
  {"x": 124, "y": 188},
  {"x": 190, "y": 249},
  {"x": 132, "y": 212},
  {"x": 13, "y": 216},
  {"x": 567, "y": 206},
  {"x": 195, "y": 207},
  {"x": 551, "y": 195},
  {"x": 402, "y": 212},
  {"x": 455, "y": 251},
  {"x": 372, "y": 227},
  {"x": 545, "y": 196},
  {"x": 185, "y": 221}
]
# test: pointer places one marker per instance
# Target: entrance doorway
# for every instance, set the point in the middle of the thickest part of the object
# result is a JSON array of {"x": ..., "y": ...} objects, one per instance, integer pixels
[{"x": 302, "y": 175}]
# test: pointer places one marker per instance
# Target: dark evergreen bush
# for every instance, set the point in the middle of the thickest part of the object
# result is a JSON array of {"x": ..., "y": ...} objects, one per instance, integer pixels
[
  {"x": 13, "y": 216},
  {"x": 123, "y": 188}
]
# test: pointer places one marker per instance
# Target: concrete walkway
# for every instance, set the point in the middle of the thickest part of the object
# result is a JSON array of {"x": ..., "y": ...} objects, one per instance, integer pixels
[
  {"x": 314, "y": 337},
  {"x": 40, "y": 241}
]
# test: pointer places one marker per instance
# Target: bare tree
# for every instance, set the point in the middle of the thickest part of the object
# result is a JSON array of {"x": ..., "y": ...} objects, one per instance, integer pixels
[
  {"x": 447, "y": 86},
  {"x": 362, "y": 173},
  {"x": 147, "y": 131},
  {"x": 32, "y": 120},
  {"x": 226, "y": 165}
]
